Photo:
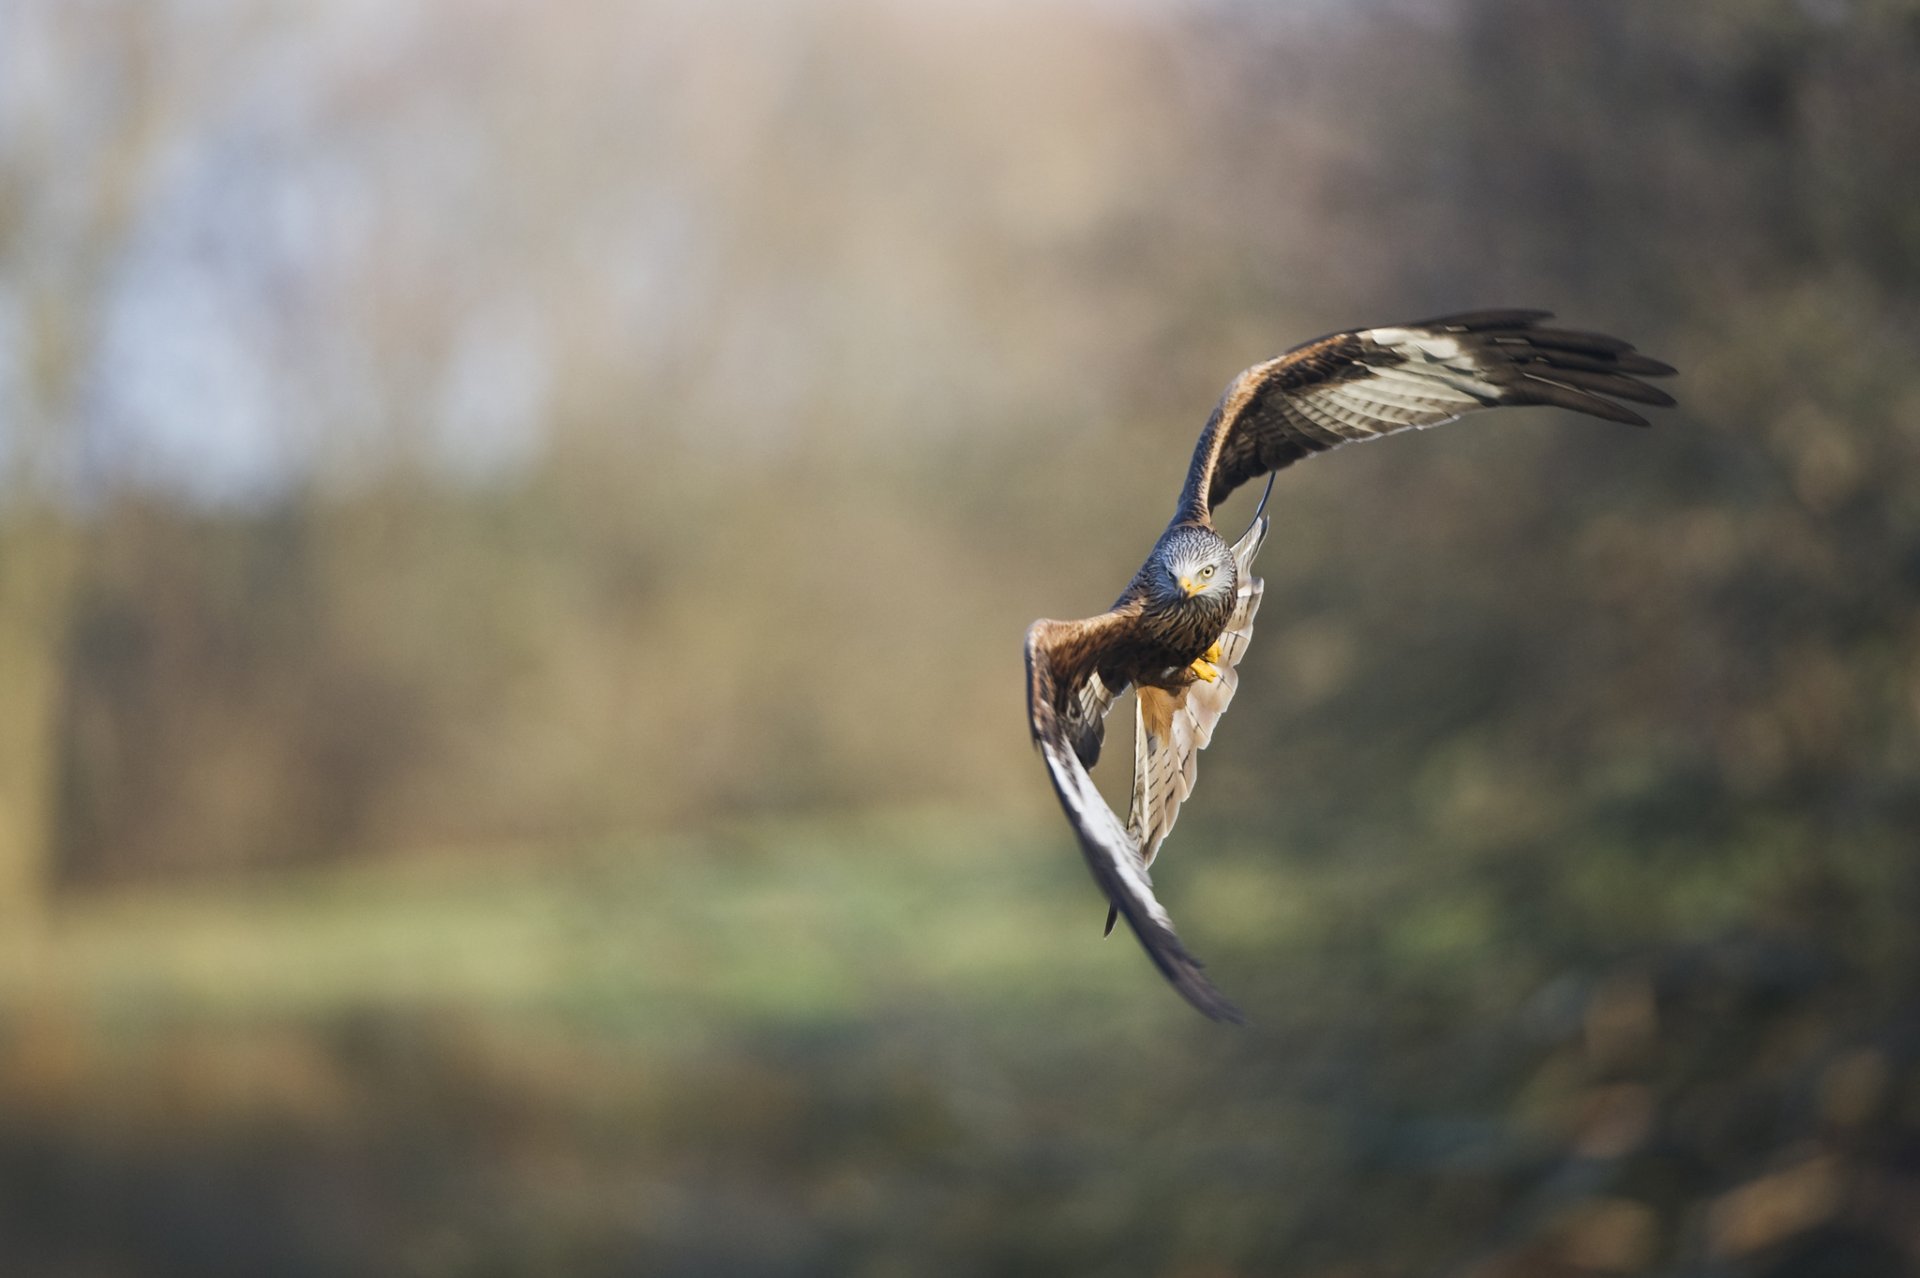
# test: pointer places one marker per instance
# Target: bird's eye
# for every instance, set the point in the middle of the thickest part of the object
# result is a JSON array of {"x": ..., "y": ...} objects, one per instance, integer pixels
[{"x": 1206, "y": 572}]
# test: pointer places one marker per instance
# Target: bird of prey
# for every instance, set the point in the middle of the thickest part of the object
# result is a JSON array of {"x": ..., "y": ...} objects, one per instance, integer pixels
[{"x": 1179, "y": 629}]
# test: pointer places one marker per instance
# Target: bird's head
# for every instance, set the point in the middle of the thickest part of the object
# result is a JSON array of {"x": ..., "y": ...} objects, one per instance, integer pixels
[{"x": 1193, "y": 563}]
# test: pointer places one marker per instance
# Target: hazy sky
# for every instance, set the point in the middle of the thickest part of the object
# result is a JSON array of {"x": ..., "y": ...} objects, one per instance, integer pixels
[{"x": 394, "y": 218}]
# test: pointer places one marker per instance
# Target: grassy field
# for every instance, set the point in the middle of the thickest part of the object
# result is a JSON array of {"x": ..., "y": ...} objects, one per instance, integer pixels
[
  {"x": 759, "y": 1048},
  {"x": 898, "y": 1044},
  {"x": 659, "y": 941}
]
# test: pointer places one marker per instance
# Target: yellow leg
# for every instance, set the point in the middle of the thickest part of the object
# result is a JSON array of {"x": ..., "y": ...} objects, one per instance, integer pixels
[
  {"x": 1205, "y": 670},
  {"x": 1212, "y": 654}
]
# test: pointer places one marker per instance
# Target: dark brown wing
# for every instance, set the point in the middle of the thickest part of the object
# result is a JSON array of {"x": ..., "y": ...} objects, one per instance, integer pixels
[
  {"x": 1363, "y": 385},
  {"x": 1061, "y": 657}
]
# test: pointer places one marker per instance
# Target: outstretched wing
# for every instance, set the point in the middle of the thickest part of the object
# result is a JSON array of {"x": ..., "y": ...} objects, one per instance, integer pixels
[
  {"x": 1171, "y": 728},
  {"x": 1366, "y": 384},
  {"x": 1061, "y": 656}
]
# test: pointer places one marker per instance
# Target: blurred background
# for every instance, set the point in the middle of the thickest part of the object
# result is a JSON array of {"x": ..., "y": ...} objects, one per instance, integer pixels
[{"x": 516, "y": 527}]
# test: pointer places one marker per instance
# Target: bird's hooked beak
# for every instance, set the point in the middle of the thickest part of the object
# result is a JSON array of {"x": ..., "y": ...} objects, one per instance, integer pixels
[{"x": 1191, "y": 586}]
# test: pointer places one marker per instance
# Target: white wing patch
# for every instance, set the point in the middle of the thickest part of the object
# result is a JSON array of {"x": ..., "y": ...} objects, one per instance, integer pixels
[
  {"x": 1101, "y": 832},
  {"x": 1170, "y": 729},
  {"x": 1437, "y": 381},
  {"x": 1434, "y": 360}
]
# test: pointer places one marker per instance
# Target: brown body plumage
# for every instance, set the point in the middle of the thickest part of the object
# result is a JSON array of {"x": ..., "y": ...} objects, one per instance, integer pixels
[{"x": 1179, "y": 629}]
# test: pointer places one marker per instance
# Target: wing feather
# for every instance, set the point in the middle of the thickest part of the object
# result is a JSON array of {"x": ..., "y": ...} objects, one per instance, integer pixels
[
  {"x": 1060, "y": 657},
  {"x": 1377, "y": 381},
  {"x": 1088, "y": 717}
]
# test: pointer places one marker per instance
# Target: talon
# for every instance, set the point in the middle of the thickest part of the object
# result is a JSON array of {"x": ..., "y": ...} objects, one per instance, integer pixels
[
  {"x": 1205, "y": 670},
  {"x": 1212, "y": 654}
]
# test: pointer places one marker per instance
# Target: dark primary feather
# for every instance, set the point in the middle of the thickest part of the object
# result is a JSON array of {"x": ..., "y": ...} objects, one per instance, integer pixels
[{"x": 1374, "y": 382}]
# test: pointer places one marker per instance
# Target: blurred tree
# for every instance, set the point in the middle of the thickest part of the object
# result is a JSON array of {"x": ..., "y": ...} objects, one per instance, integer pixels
[{"x": 75, "y": 177}]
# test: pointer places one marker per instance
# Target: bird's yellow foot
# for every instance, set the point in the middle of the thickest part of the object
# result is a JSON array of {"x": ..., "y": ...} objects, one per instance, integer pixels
[{"x": 1207, "y": 667}]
